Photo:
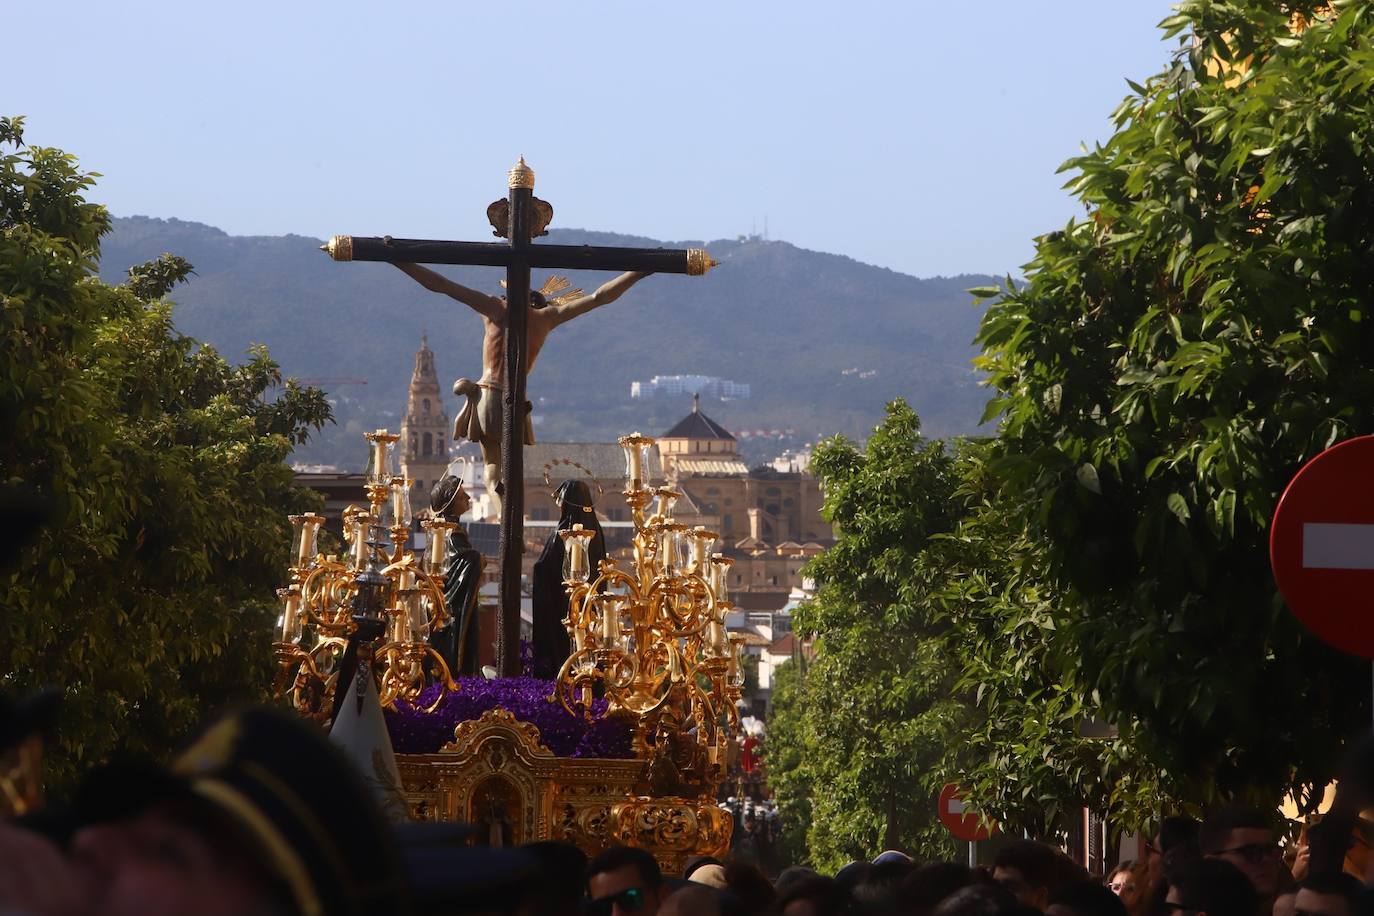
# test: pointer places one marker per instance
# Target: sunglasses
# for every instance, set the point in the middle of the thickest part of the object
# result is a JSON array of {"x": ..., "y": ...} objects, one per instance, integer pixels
[
  {"x": 1254, "y": 853},
  {"x": 630, "y": 900}
]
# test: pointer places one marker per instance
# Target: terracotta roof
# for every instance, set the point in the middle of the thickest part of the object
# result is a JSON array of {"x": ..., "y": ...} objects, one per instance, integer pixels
[
  {"x": 785, "y": 644},
  {"x": 759, "y": 601}
]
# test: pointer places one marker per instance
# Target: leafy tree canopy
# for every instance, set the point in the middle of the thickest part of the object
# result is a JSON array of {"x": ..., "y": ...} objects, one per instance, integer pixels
[
  {"x": 856, "y": 739},
  {"x": 147, "y": 597},
  {"x": 1172, "y": 359}
]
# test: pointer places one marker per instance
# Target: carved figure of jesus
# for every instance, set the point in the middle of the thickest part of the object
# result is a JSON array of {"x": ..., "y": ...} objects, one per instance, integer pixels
[{"x": 480, "y": 419}]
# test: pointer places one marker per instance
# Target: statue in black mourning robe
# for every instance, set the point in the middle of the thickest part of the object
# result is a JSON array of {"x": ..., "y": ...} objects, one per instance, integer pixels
[
  {"x": 550, "y": 600},
  {"x": 457, "y": 642}
]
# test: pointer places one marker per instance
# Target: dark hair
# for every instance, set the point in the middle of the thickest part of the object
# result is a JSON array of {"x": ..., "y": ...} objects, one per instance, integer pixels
[
  {"x": 1040, "y": 865},
  {"x": 825, "y": 893},
  {"x": 881, "y": 888},
  {"x": 1088, "y": 898},
  {"x": 749, "y": 885},
  {"x": 1214, "y": 885},
  {"x": 1177, "y": 830},
  {"x": 926, "y": 886},
  {"x": 442, "y": 493},
  {"x": 851, "y": 874},
  {"x": 1216, "y": 828},
  {"x": 618, "y": 857},
  {"x": 978, "y": 900},
  {"x": 1337, "y": 884},
  {"x": 793, "y": 876},
  {"x": 561, "y": 866}
]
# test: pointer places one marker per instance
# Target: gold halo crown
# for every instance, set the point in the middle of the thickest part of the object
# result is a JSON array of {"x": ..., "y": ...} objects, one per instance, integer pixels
[{"x": 553, "y": 290}]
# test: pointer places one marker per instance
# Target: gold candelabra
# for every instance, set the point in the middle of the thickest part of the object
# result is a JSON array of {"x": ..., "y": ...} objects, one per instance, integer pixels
[
  {"x": 379, "y": 587},
  {"x": 650, "y": 637}
]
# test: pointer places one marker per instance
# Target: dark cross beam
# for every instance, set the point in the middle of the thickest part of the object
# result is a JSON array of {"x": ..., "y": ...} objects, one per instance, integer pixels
[{"x": 519, "y": 219}]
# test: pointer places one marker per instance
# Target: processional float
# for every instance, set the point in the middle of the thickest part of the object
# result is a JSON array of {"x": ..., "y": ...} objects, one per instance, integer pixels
[{"x": 650, "y": 650}]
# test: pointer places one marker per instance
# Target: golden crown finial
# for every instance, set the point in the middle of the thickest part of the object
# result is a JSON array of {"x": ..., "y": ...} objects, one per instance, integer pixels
[{"x": 522, "y": 176}]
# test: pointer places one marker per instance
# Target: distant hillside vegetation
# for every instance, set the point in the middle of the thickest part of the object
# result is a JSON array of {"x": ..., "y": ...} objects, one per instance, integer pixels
[{"x": 787, "y": 321}]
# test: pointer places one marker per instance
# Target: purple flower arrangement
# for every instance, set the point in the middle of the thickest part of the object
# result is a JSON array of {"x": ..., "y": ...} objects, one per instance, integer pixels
[{"x": 529, "y": 699}]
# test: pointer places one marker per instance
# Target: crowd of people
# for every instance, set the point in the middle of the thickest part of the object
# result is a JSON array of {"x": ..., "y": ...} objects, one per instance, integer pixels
[
  {"x": 1230, "y": 864},
  {"x": 261, "y": 815}
]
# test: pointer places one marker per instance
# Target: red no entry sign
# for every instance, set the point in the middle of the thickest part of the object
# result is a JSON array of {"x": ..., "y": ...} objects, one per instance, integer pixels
[
  {"x": 962, "y": 824},
  {"x": 1321, "y": 546}
]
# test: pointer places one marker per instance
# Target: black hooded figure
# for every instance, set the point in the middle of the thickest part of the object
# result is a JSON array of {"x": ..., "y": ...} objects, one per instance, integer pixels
[
  {"x": 551, "y": 644},
  {"x": 457, "y": 642}
]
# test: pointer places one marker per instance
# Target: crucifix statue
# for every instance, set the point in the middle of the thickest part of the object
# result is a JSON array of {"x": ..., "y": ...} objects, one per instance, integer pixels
[{"x": 513, "y": 340}]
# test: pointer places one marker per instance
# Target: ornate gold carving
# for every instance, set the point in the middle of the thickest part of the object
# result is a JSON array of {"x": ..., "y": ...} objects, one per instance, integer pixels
[
  {"x": 698, "y": 262},
  {"x": 673, "y": 829},
  {"x": 498, "y": 774},
  {"x": 522, "y": 176},
  {"x": 340, "y": 247}
]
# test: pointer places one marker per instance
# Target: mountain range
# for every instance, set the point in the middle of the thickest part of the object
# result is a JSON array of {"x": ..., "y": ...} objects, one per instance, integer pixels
[{"x": 822, "y": 340}]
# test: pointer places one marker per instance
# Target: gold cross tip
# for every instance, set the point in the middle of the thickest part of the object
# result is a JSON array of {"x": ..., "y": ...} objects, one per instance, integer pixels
[
  {"x": 522, "y": 176},
  {"x": 339, "y": 247},
  {"x": 698, "y": 262}
]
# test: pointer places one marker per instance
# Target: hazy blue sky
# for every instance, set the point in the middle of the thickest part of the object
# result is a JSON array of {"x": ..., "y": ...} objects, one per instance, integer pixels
[{"x": 919, "y": 136}]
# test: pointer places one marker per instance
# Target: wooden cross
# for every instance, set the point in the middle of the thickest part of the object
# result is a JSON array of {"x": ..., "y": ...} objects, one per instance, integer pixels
[{"x": 519, "y": 219}]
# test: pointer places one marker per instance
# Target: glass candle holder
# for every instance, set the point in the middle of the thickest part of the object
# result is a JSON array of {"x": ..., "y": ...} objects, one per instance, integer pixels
[
  {"x": 436, "y": 551},
  {"x": 400, "y": 501},
  {"x": 576, "y": 567},
  {"x": 379, "y": 471},
  {"x": 636, "y": 460},
  {"x": 719, "y": 578},
  {"x": 609, "y": 620},
  {"x": 291, "y": 625}
]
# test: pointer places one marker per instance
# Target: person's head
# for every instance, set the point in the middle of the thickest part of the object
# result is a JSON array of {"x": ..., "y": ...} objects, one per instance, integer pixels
[
  {"x": 448, "y": 498},
  {"x": 696, "y": 862},
  {"x": 793, "y": 875},
  {"x": 815, "y": 896},
  {"x": 881, "y": 887},
  {"x": 711, "y": 875},
  {"x": 537, "y": 299},
  {"x": 1085, "y": 898},
  {"x": 1122, "y": 880},
  {"x": 624, "y": 880},
  {"x": 175, "y": 857},
  {"x": 1030, "y": 871},
  {"x": 1245, "y": 838},
  {"x": 1328, "y": 895},
  {"x": 561, "y": 870},
  {"x": 1208, "y": 887},
  {"x": 749, "y": 885},
  {"x": 927, "y": 885},
  {"x": 979, "y": 900},
  {"x": 1175, "y": 832},
  {"x": 261, "y": 813},
  {"x": 691, "y": 901}
]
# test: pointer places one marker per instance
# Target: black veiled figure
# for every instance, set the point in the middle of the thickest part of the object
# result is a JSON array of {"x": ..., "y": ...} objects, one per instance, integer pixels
[
  {"x": 551, "y": 644},
  {"x": 457, "y": 642}
]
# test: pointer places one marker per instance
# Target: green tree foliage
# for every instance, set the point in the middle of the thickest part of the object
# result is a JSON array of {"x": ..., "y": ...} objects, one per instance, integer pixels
[
  {"x": 148, "y": 596},
  {"x": 861, "y": 732},
  {"x": 1171, "y": 361}
]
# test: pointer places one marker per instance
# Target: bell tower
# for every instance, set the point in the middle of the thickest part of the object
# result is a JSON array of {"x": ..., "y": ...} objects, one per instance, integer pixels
[{"x": 424, "y": 429}]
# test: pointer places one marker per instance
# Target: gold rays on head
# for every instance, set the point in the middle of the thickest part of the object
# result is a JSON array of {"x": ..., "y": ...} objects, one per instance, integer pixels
[{"x": 556, "y": 290}]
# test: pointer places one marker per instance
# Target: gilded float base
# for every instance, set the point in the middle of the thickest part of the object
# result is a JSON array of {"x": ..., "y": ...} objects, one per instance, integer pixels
[{"x": 498, "y": 776}]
